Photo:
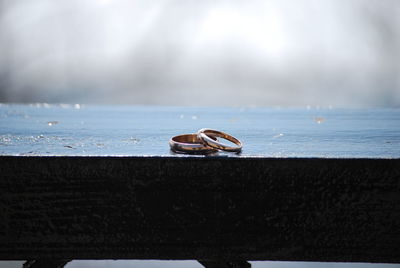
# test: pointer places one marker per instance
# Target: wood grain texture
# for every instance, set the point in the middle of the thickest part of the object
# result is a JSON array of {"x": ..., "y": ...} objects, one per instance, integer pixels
[
  {"x": 200, "y": 208},
  {"x": 101, "y": 183}
]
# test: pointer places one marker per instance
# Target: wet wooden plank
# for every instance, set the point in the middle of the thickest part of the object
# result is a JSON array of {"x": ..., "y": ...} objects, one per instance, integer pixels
[
  {"x": 141, "y": 131},
  {"x": 309, "y": 194}
]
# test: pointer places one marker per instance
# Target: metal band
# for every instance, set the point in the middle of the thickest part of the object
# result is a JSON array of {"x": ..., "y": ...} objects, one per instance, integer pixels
[
  {"x": 189, "y": 143},
  {"x": 208, "y": 137}
]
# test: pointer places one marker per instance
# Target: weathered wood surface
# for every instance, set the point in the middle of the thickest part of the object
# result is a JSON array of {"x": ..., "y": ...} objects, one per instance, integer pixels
[
  {"x": 140, "y": 131},
  {"x": 333, "y": 199}
]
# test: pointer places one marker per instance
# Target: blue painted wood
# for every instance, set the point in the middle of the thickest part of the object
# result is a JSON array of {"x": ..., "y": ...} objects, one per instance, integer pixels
[{"x": 72, "y": 130}]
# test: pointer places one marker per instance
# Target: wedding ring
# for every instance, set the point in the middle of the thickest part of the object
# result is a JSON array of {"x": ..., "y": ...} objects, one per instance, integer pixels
[
  {"x": 208, "y": 137},
  {"x": 189, "y": 143}
]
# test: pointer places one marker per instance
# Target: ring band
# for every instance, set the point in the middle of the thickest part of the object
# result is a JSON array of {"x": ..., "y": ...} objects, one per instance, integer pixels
[
  {"x": 189, "y": 143},
  {"x": 208, "y": 137}
]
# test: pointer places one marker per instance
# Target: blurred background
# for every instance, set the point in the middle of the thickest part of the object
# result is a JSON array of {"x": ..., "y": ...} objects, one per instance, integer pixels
[{"x": 212, "y": 52}]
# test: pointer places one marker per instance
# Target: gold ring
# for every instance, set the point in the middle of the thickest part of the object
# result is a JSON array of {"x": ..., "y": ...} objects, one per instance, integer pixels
[
  {"x": 189, "y": 143},
  {"x": 208, "y": 137}
]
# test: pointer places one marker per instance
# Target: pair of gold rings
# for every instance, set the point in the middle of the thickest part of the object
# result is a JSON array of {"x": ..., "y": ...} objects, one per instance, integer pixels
[{"x": 203, "y": 142}]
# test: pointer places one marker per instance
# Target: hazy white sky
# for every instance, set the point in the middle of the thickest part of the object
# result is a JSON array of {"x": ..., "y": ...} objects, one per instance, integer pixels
[{"x": 219, "y": 52}]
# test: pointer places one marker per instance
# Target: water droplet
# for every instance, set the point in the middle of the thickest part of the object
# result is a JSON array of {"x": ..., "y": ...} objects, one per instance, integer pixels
[
  {"x": 52, "y": 123},
  {"x": 135, "y": 141},
  {"x": 319, "y": 120}
]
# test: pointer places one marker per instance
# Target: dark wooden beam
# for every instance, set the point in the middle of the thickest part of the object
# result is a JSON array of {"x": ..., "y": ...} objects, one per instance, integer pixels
[
  {"x": 200, "y": 208},
  {"x": 45, "y": 263}
]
